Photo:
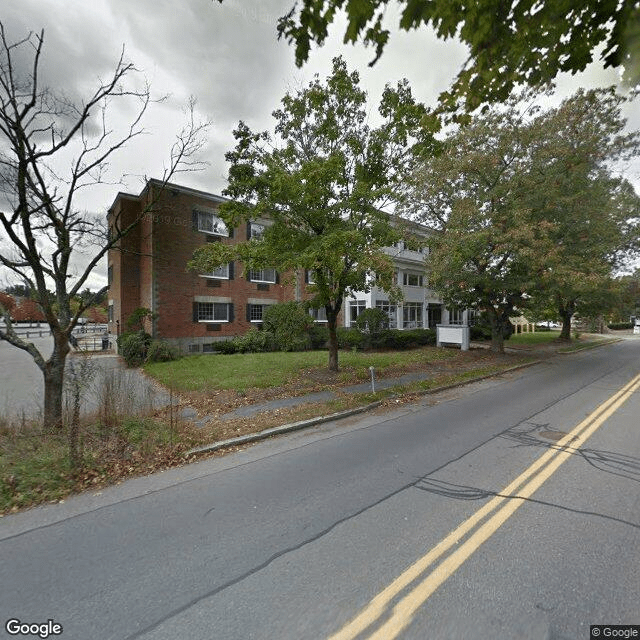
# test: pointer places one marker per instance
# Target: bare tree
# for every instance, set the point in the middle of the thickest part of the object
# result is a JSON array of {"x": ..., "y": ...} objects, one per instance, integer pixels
[{"x": 41, "y": 132}]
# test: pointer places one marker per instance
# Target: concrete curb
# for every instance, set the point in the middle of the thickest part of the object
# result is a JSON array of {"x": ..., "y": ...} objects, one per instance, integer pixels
[
  {"x": 303, "y": 424},
  {"x": 285, "y": 428},
  {"x": 566, "y": 351}
]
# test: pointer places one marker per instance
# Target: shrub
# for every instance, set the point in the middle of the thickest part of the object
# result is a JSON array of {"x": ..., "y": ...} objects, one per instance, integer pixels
[
  {"x": 133, "y": 347},
  {"x": 289, "y": 323},
  {"x": 254, "y": 341},
  {"x": 318, "y": 336},
  {"x": 162, "y": 351},
  {"x": 225, "y": 346},
  {"x": 421, "y": 337},
  {"x": 350, "y": 338},
  {"x": 481, "y": 328},
  {"x": 620, "y": 325},
  {"x": 372, "y": 321}
]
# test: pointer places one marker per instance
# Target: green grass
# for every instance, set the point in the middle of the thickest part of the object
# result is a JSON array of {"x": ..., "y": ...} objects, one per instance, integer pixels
[
  {"x": 241, "y": 371},
  {"x": 33, "y": 472},
  {"x": 35, "y": 468},
  {"x": 538, "y": 337}
]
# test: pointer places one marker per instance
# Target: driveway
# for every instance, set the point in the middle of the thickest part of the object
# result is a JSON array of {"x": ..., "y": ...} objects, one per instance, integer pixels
[{"x": 21, "y": 383}]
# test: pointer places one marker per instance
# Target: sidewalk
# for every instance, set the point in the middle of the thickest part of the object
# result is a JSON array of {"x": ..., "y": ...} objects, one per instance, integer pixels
[
  {"x": 252, "y": 407},
  {"x": 515, "y": 357}
]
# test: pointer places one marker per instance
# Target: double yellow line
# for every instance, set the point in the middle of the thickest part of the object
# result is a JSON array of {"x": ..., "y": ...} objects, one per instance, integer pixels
[{"x": 514, "y": 495}]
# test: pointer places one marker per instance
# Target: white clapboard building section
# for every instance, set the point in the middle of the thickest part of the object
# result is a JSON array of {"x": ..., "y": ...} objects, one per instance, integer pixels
[{"x": 420, "y": 307}]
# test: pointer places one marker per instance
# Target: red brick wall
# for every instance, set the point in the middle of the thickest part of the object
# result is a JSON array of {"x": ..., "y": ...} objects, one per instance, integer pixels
[
  {"x": 124, "y": 263},
  {"x": 176, "y": 288}
]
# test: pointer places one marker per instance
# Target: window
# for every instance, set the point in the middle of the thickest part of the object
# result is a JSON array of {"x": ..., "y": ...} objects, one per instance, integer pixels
[
  {"x": 411, "y": 279},
  {"x": 110, "y": 313},
  {"x": 356, "y": 307},
  {"x": 194, "y": 348},
  {"x": 263, "y": 275},
  {"x": 255, "y": 230},
  {"x": 390, "y": 310},
  {"x": 213, "y": 312},
  {"x": 412, "y": 315},
  {"x": 110, "y": 275},
  {"x": 221, "y": 272},
  {"x": 310, "y": 277},
  {"x": 255, "y": 312},
  {"x": 318, "y": 315},
  {"x": 211, "y": 223}
]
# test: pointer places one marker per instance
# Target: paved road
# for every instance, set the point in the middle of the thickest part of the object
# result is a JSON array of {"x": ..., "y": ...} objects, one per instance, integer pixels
[{"x": 300, "y": 536}]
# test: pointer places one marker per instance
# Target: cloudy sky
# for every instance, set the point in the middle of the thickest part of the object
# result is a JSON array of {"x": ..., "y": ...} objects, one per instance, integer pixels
[{"x": 226, "y": 56}]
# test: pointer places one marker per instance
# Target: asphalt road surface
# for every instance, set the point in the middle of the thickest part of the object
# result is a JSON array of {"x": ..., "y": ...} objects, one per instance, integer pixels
[
  {"x": 506, "y": 509},
  {"x": 22, "y": 386}
]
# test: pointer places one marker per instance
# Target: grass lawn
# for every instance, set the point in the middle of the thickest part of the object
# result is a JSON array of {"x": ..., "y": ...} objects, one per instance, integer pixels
[
  {"x": 538, "y": 337},
  {"x": 241, "y": 371}
]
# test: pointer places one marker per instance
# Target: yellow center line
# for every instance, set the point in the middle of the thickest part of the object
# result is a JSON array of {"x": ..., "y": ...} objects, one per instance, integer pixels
[{"x": 535, "y": 475}]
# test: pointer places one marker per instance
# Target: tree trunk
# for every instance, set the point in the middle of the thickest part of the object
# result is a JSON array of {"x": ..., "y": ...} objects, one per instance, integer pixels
[
  {"x": 501, "y": 328},
  {"x": 497, "y": 341},
  {"x": 566, "y": 312},
  {"x": 54, "y": 384},
  {"x": 332, "y": 322},
  {"x": 565, "y": 333}
]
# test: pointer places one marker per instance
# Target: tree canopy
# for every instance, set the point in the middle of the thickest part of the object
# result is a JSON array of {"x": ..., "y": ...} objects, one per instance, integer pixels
[
  {"x": 590, "y": 215},
  {"x": 528, "y": 208},
  {"x": 321, "y": 183},
  {"x": 510, "y": 43}
]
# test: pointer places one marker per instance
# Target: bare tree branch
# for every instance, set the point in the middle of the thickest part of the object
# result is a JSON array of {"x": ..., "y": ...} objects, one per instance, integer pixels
[{"x": 42, "y": 226}]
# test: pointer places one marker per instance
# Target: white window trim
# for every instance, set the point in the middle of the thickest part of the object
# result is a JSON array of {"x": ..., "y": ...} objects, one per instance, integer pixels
[
  {"x": 214, "y": 217},
  {"x": 258, "y": 305},
  {"x": 213, "y": 321},
  {"x": 215, "y": 277},
  {"x": 257, "y": 235},
  {"x": 358, "y": 304},
  {"x": 391, "y": 310},
  {"x": 252, "y": 271},
  {"x": 318, "y": 310},
  {"x": 413, "y": 324},
  {"x": 407, "y": 274}
]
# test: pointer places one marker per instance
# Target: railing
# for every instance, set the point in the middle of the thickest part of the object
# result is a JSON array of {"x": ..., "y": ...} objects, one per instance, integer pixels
[
  {"x": 34, "y": 330},
  {"x": 94, "y": 343}
]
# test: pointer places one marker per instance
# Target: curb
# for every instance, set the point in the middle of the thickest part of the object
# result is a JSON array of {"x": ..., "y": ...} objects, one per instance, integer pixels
[
  {"x": 588, "y": 346},
  {"x": 303, "y": 424},
  {"x": 286, "y": 428}
]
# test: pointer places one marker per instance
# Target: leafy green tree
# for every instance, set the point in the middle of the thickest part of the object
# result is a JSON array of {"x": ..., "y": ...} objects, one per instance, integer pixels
[
  {"x": 589, "y": 215},
  {"x": 322, "y": 184},
  {"x": 510, "y": 42},
  {"x": 627, "y": 301},
  {"x": 481, "y": 253},
  {"x": 529, "y": 210}
]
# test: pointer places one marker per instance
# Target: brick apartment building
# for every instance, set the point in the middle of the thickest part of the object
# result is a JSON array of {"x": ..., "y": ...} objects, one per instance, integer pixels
[{"x": 193, "y": 310}]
